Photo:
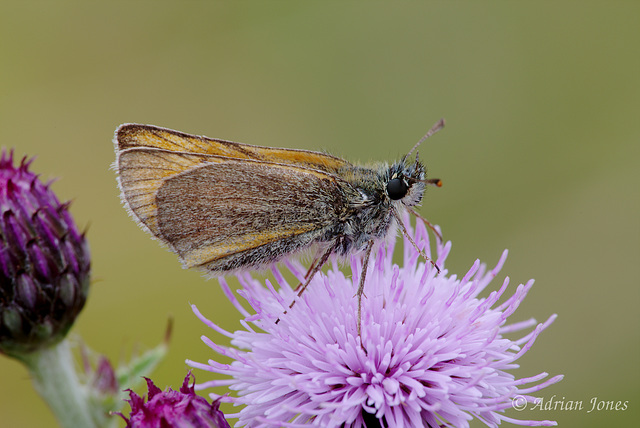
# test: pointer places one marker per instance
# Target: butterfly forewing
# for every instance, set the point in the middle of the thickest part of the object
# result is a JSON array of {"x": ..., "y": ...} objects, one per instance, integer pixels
[{"x": 131, "y": 136}]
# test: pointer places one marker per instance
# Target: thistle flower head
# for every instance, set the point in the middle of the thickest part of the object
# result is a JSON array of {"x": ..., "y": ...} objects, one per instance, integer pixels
[
  {"x": 179, "y": 409},
  {"x": 432, "y": 352},
  {"x": 44, "y": 262}
]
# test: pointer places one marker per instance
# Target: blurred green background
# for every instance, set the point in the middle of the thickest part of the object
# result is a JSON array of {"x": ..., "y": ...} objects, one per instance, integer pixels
[{"x": 540, "y": 152}]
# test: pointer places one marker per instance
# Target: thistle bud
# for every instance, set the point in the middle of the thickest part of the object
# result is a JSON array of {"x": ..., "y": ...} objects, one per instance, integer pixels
[
  {"x": 44, "y": 262},
  {"x": 169, "y": 408}
]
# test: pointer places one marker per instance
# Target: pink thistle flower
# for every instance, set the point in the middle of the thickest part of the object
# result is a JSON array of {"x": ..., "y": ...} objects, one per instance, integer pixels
[{"x": 432, "y": 352}]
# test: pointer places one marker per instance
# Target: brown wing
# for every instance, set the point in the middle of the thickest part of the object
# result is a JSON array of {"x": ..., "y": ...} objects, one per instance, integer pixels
[{"x": 238, "y": 213}]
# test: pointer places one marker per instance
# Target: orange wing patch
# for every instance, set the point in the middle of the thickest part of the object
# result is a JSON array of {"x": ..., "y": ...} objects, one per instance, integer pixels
[
  {"x": 212, "y": 253},
  {"x": 138, "y": 136}
]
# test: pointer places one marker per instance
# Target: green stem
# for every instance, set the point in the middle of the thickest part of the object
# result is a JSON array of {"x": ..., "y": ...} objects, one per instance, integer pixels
[{"x": 54, "y": 377}]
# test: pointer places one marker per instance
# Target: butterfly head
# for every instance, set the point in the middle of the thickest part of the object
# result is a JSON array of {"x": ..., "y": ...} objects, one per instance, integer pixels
[{"x": 406, "y": 183}]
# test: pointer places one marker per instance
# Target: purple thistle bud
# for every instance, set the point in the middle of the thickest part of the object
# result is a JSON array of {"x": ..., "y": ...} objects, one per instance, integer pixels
[
  {"x": 44, "y": 262},
  {"x": 178, "y": 409},
  {"x": 102, "y": 379},
  {"x": 432, "y": 351}
]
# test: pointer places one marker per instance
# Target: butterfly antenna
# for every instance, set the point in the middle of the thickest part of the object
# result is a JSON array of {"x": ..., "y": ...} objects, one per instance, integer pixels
[{"x": 435, "y": 128}]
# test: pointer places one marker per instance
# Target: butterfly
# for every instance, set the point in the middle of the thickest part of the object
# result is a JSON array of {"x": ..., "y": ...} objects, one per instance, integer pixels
[{"x": 223, "y": 206}]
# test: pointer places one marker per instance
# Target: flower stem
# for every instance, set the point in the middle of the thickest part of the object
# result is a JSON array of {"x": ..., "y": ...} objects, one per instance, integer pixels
[{"x": 53, "y": 376}]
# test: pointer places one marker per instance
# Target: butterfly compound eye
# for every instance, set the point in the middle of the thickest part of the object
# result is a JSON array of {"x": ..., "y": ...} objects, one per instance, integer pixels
[{"x": 397, "y": 189}]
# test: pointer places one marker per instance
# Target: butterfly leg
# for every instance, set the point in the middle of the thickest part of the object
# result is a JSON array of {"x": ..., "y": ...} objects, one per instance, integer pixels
[
  {"x": 363, "y": 275},
  {"x": 405, "y": 232},
  {"x": 308, "y": 274},
  {"x": 313, "y": 270},
  {"x": 427, "y": 222}
]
